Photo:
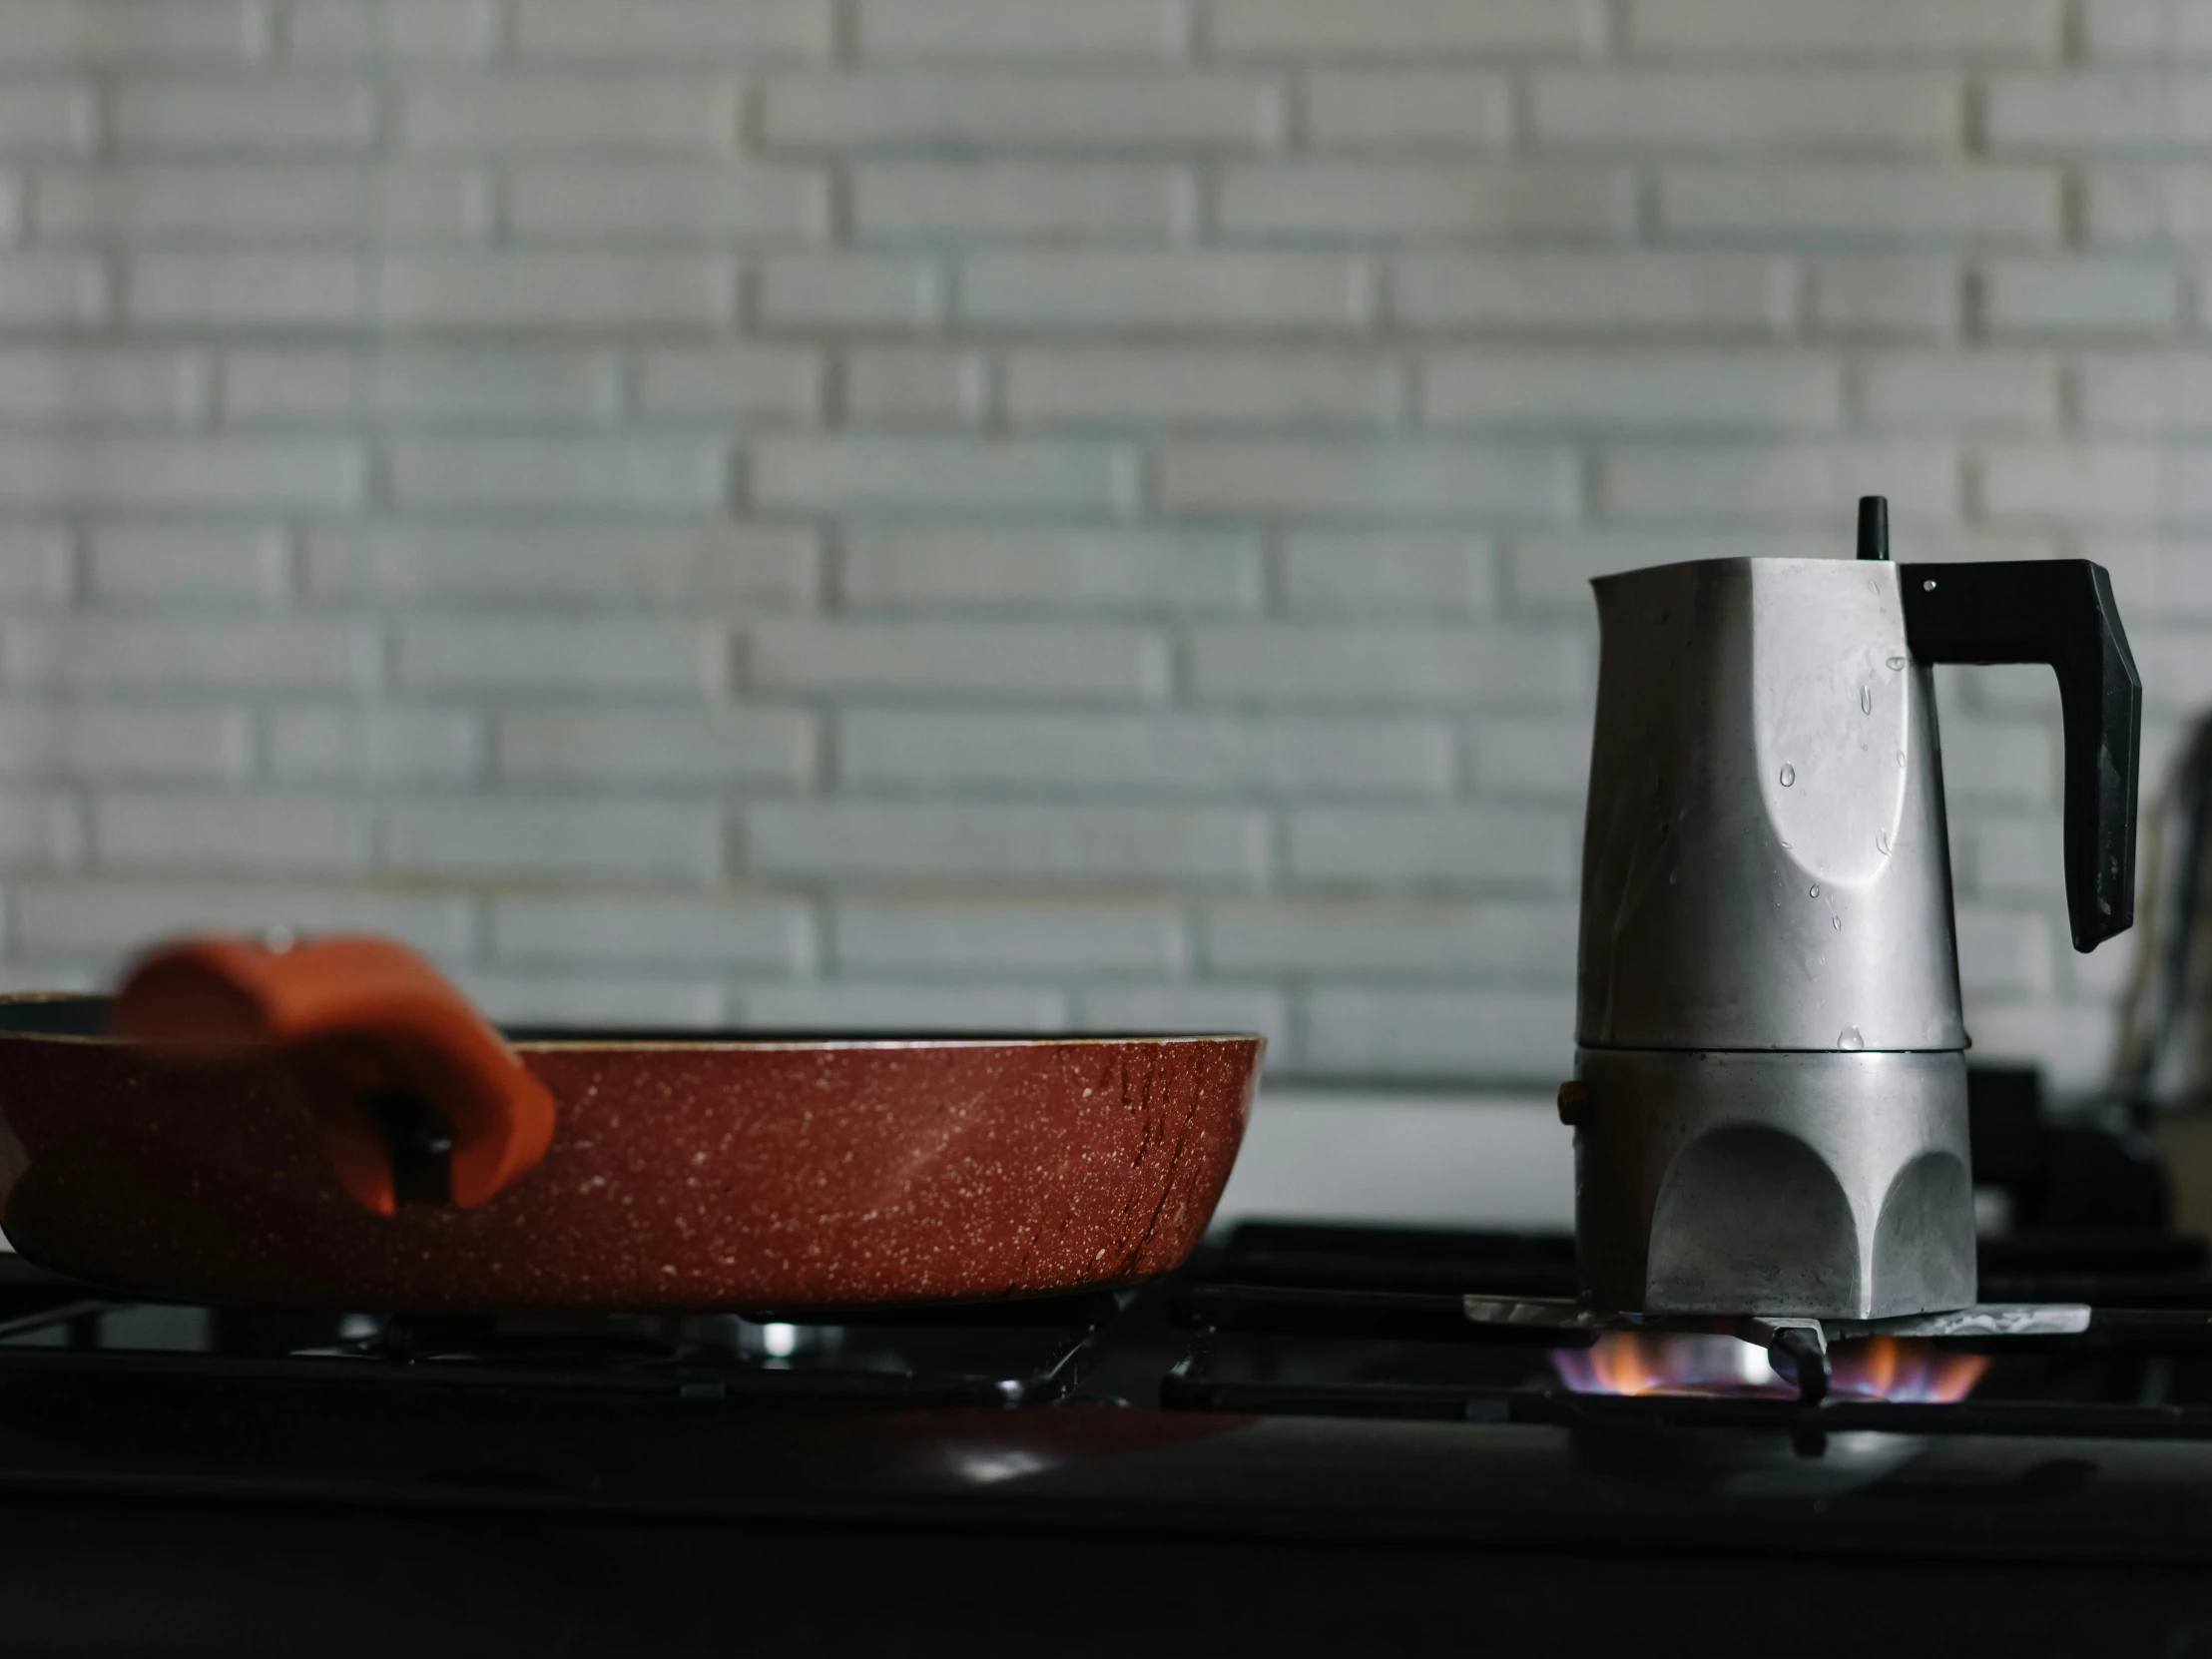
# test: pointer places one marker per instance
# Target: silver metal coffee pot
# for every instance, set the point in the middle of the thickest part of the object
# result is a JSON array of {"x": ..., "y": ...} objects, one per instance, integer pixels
[{"x": 1769, "y": 1095}]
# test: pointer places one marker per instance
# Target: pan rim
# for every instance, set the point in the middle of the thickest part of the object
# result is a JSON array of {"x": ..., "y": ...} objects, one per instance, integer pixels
[{"x": 708, "y": 1041}]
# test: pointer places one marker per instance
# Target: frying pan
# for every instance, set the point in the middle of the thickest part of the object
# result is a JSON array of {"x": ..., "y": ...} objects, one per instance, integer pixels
[{"x": 330, "y": 1122}]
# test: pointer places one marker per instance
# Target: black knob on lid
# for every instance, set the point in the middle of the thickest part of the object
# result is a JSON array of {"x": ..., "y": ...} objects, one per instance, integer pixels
[{"x": 1873, "y": 527}]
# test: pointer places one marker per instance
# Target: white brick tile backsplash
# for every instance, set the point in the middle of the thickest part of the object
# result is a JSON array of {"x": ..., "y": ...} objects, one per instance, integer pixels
[
  {"x": 283, "y": 387},
  {"x": 148, "y": 565},
  {"x": 1628, "y": 291},
  {"x": 1794, "y": 481},
  {"x": 1877, "y": 296},
  {"x": 245, "y": 291},
  {"x": 574, "y": 290},
  {"x": 614, "y": 1003},
  {"x": 1662, "y": 390},
  {"x": 41, "y": 831},
  {"x": 1366, "y": 480},
  {"x": 1412, "y": 28},
  {"x": 2003, "y": 951},
  {"x": 2063, "y": 296},
  {"x": 196, "y": 32},
  {"x": 563, "y": 564},
  {"x": 1028, "y": 109},
  {"x": 1400, "y": 1032},
  {"x": 552, "y": 836},
  {"x": 44, "y": 387},
  {"x": 2155, "y": 29},
  {"x": 1408, "y": 108},
  {"x": 38, "y": 565},
  {"x": 2154, "y": 204},
  {"x": 1067, "y": 660},
  {"x": 1442, "y": 201},
  {"x": 1175, "y": 755},
  {"x": 880, "y": 1007},
  {"x": 669, "y": 204},
  {"x": 1866, "y": 28},
  {"x": 610, "y": 654},
  {"x": 47, "y": 116},
  {"x": 682, "y": 30},
  {"x": 1018, "y": 475},
  {"x": 374, "y": 745},
  {"x": 697, "y": 749},
  {"x": 1353, "y": 571},
  {"x": 1054, "y": 514},
  {"x": 1532, "y": 757},
  {"x": 295, "y": 115},
  {"x": 236, "y": 833},
  {"x": 1016, "y": 28},
  {"x": 1227, "y": 291},
  {"x": 849, "y": 291},
  {"x": 2176, "y": 668},
  {"x": 1194, "y": 571},
  {"x": 666, "y": 474},
  {"x": 1494, "y": 939},
  {"x": 270, "y": 472},
  {"x": 2162, "y": 32},
  {"x": 1402, "y": 845},
  {"x": 109, "y": 918},
  {"x": 1985, "y": 389},
  {"x": 731, "y": 384},
  {"x": 2015, "y": 763},
  {"x": 401, "y": 30},
  {"x": 2092, "y": 112},
  {"x": 538, "y": 114},
  {"x": 50, "y": 289},
  {"x": 1056, "y": 201},
  {"x": 124, "y": 741},
  {"x": 900, "y": 385},
  {"x": 1212, "y": 1009},
  {"x": 197, "y": 653},
  {"x": 1446, "y": 667},
  {"x": 745, "y": 933},
  {"x": 933, "y": 938},
  {"x": 996, "y": 844},
  {"x": 1676, "y": 109},
  {"x": 2147, "y": 392},
  {"x": 1121, "y": 385},
  {"x": 1860, "y": 201},
  {"x": 2095, "y": 482},
  {"x": 260, "y": 201}
]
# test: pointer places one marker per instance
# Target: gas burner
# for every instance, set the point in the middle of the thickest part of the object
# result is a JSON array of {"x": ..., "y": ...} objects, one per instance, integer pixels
[{"x": 1797, "y": 1348}]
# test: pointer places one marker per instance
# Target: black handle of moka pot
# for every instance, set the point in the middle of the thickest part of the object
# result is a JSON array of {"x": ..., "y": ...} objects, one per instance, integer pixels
[{"x": 2060, "y": 612}]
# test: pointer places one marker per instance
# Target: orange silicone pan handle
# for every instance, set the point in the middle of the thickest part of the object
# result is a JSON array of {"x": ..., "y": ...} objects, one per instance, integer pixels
[{"x": 383, "y": 1046}]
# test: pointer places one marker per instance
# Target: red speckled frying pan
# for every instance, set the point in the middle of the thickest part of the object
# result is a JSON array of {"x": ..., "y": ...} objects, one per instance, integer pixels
[{"x": 334, "y": 1124}]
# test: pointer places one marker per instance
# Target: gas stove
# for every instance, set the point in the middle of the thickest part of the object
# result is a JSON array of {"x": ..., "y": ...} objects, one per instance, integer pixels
[{"x": 1303, "y": 1440}]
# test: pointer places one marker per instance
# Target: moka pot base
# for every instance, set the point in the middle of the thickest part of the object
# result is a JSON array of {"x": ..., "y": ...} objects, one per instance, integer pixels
[{"x": 1818, "y": 1185}]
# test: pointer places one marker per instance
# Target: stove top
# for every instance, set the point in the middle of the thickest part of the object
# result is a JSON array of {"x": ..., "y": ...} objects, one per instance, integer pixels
[{"x": 1302, "y": 1406}]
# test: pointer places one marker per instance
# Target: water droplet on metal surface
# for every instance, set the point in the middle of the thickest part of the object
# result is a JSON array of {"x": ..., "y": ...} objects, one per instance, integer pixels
[
  {"x": 1836, "y": 922},
  {"x": 1901, "y": 757},
  {"x": 1813, "y": 891},
  {"x": 1866, "y": 700},
  {"x": 1788, "y": 774},
  {"x": 1895, "y": 663},
  {"x": 1850, "y": 1038},
  {"x": 1882, "y": 842}
]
